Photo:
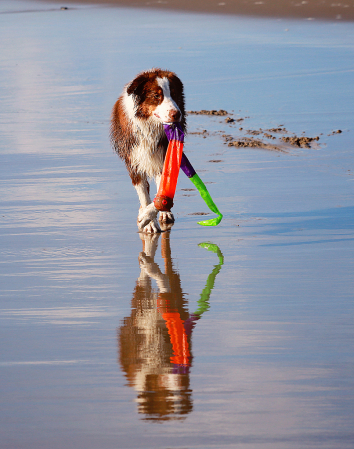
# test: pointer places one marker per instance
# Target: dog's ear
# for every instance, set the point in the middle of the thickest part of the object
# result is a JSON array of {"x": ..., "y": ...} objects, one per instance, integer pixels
[
  {"x": 177, "y": 87},
  {"x": 136, "y": 85},
  {"x": 174, "y": 79}
]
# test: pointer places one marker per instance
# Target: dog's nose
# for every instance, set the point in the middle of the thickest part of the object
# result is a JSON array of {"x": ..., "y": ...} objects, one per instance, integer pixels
[{"x": 175, "y": 115}]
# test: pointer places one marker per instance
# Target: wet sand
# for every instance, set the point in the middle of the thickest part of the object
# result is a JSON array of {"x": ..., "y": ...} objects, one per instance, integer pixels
[
  {"x": 235, "y": 336},
  {"x": 307, "y": 9}
]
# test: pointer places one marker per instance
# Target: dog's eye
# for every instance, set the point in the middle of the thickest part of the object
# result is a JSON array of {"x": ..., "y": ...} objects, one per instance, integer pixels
[{"x": 157, "y": 96}]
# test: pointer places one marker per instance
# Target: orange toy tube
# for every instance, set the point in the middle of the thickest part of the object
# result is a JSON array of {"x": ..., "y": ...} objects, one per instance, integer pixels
[{"x": 167, "y": 189}]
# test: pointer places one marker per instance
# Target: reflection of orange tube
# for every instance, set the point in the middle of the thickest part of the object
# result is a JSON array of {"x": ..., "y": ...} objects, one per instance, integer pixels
[
  {"x": 178, "y": 338},
  {"x": 164, "y": 198},
  {"x": 176, "y": 330}
]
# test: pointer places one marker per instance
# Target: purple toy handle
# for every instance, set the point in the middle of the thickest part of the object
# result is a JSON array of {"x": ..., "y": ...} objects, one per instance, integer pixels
[{"x": 186, "y": 166}]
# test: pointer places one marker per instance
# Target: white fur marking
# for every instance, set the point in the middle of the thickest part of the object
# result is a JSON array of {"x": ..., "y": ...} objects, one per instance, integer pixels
[
  {"x": 168, "y": 105},
  {"x": 143, "y": 194}
]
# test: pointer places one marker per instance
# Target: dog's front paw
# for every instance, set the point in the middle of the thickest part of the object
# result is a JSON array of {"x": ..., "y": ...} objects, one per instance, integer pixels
[
  {"x": 152, "y": 227},
  {"x": 166, "y": 217},
  {"x": 147, "y": 220}
]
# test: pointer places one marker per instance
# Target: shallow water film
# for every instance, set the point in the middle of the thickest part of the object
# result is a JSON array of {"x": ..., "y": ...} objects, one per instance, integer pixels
[{"x": 237, "y": 336}]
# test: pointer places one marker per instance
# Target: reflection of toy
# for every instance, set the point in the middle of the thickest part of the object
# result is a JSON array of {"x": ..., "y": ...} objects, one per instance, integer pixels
[
  {"x": 203, "y": 302},
  {"x": 179, "y": 329},
  {"x": 155, "y": 341},
  {"x": 175, "y": 159}
]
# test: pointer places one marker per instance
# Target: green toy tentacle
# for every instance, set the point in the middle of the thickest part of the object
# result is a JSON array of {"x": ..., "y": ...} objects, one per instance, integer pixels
[{"x": 208, "y": 200}]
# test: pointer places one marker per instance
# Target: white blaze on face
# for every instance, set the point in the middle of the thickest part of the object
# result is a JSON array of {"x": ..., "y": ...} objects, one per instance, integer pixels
[{"x": 167, "y": 106}]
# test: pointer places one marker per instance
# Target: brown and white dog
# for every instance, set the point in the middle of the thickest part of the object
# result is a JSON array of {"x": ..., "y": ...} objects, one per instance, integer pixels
[{"x": 153, "y": 98}]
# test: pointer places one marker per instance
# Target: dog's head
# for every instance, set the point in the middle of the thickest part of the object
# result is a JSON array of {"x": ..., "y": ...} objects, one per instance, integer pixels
[{"x": 158, "y": 94}]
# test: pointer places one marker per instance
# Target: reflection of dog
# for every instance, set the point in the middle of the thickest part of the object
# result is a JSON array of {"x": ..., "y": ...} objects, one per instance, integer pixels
[
  {"x": 147, "y": 354},
  {"x": 155, "y": 340},
  {"x": 151, "y": 99}
]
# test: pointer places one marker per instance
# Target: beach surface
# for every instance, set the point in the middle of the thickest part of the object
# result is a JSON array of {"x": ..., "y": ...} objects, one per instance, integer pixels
[{"x": 251, "y": 344}]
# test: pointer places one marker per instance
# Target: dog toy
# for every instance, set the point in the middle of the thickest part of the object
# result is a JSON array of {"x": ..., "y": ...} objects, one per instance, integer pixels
[
  {"x": 174, "y": 160},
  {"x": 164, "y": 199},
  {"x": 187, "y": 168}
]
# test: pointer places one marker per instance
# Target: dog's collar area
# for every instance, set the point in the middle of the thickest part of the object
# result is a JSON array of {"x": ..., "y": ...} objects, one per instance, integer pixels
[{"x": 174, "y": 131}]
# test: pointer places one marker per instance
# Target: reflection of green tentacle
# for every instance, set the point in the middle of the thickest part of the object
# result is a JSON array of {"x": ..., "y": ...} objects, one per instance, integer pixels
[
  {"x": 215, "y": 249},
  {"x": 203, "y": 302},
  {"x": 207, "y": 198}
]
